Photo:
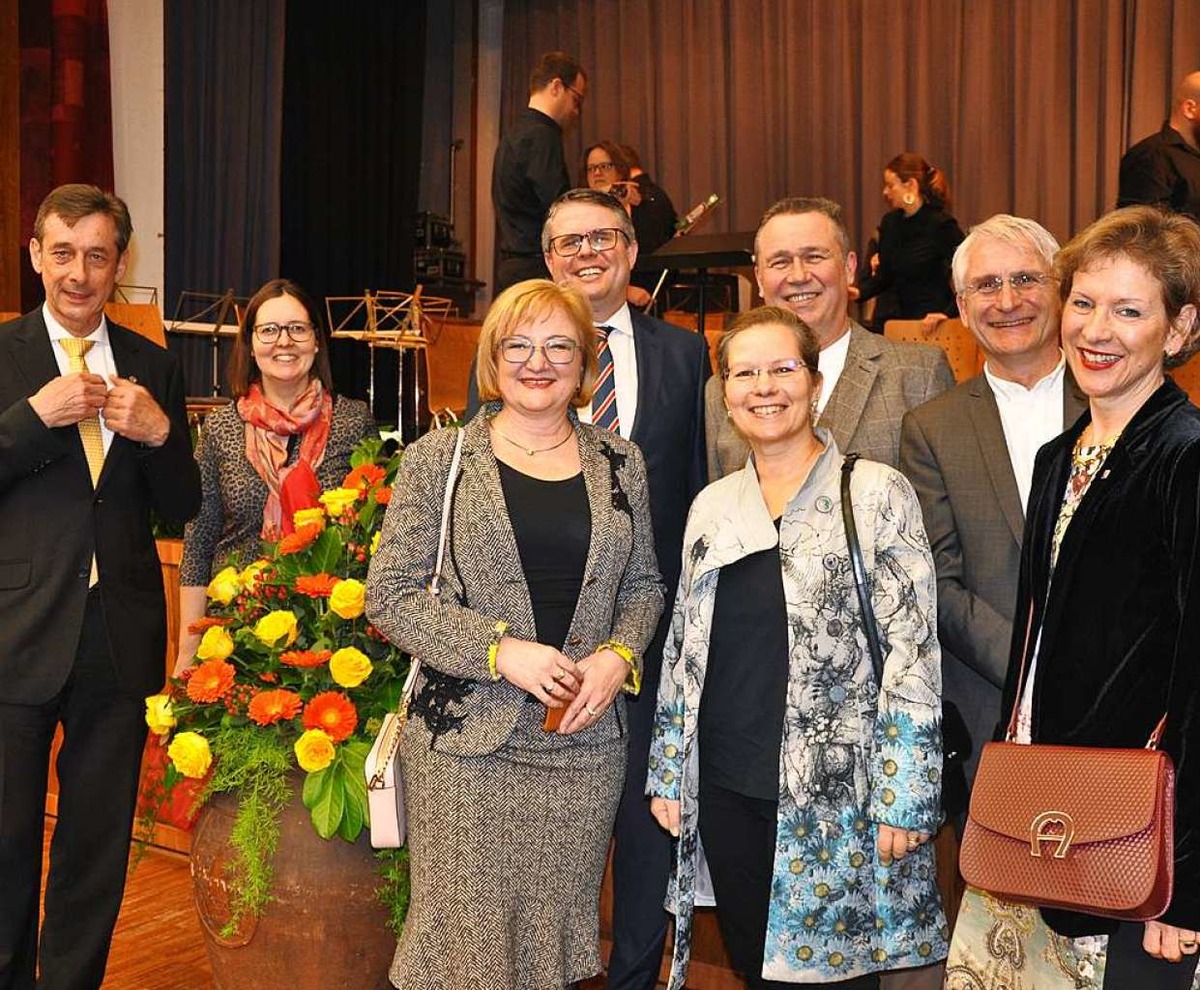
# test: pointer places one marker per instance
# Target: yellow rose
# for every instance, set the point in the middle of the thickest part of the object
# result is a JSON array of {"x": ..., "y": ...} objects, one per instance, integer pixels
[
  {"x": 190, "y": 753},
  {"x": 225, "y": 586},
  {"x": 251, "y": 575},
  {"x": 338, "y": 500},
  {"x": 309, "y": 517},
  {"x": 346, "y": 599},
  {"x": 375, "y": 541},
  {"x": 349, "y": 667},
  {"x": 215, "y": 644},
  {"x": 314, "y": 750},
  {"x": 159, "y": 714},
  {"x": 276, "y": 626}
]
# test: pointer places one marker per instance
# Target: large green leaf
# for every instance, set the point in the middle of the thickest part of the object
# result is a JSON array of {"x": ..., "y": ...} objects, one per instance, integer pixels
[
  {"x": 330, "y": 804},
  {"x": 355, "y": 816},
  {"x": 326, "y": 552}
]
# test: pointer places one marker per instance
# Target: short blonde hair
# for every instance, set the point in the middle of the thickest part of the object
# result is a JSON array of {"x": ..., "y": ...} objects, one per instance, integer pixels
[{"x": 525, "y": 303}]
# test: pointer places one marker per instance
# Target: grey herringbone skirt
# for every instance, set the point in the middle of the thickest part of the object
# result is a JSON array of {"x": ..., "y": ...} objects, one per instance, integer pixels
[{"x": 507, "y": 854}]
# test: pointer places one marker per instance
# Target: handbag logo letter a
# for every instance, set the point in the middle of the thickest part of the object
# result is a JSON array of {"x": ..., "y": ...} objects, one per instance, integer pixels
[{"x": 1051, "y": 826}]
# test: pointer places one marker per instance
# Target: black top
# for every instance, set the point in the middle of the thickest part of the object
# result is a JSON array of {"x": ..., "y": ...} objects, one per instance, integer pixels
[
  {"x": 914, "y": 260},
  {"x": 745, "y": 685},
  {"x": 653, "y": 223},
  {"x": 553, "y": 526},
  {"x": 1162, "y": 170},
  {"x": 529, "y": 173}
]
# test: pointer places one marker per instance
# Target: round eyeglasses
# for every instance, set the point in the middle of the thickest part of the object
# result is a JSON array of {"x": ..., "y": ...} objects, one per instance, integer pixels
[{"x": 1021, "y": 282}]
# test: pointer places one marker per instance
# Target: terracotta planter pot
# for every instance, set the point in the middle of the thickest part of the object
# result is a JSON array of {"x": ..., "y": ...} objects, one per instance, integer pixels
[{"x": 324, "y": 928}]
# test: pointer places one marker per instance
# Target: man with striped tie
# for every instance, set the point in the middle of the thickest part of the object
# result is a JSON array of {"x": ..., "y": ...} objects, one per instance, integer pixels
[
  {"x": 93, "y": 440},
  {"x": 651, "y": 391}
]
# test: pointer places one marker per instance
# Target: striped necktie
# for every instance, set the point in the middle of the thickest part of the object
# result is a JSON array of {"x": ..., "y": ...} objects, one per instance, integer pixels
[
  {"x": 89, "y": 429},
  {"x": 604, "y": 398}
]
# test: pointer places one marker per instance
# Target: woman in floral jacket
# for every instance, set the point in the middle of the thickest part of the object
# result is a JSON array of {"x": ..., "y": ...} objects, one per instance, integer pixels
[{"x": 813, "y": 789}]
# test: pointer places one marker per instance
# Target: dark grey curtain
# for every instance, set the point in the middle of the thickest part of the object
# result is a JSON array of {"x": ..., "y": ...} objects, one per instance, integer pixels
[
  {"x": 224, "y": 100},
  {"x": 1026, "y": 104}
]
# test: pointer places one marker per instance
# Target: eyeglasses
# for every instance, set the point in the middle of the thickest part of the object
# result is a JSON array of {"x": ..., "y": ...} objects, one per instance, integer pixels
[
  {"x": 600, "y": 239},
  {"x": 599, "y": 167},
  {"x": 297, "y": 331},
  {"x": 784, "y": 371},
  {"x": 1021, "y": 282},
  {"x": 518, "y": 350},
  {"x": 578, "y": 95}
]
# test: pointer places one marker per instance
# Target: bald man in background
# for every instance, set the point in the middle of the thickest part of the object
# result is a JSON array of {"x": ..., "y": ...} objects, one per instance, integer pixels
[{"x": 1164, "y": 169}]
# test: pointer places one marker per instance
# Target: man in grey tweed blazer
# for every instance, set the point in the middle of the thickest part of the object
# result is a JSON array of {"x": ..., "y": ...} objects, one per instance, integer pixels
[
  {"x": 969, "y": 454},
  {"x": 803, "y": 262}
]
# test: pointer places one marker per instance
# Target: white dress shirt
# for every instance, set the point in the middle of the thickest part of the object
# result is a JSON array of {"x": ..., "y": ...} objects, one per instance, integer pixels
[
  {"x": 1031, "y": 417},
  {"x": 100, "y": 360},
  {"x": 831, "y": 362},
  {"x": 625, "y": 370}
]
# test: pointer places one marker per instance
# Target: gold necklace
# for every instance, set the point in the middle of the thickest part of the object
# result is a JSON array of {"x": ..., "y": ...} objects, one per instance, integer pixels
[{"x": 531, "y": 451}]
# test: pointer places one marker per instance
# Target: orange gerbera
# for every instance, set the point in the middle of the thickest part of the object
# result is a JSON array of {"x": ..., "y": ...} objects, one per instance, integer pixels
[
  {"x": 206, "y": 622},
  {"x": 364, "y": 476},
  {"x": 210, "y": 681},
  {"x": 316, "y": 585},
  {"x": 305, "y": 658},
  {"x": 333, "y": 712},
  {"x": 279, "y": 705},
  {"x": 383, "y": 494},
  {"x": 300, "y": 540}
]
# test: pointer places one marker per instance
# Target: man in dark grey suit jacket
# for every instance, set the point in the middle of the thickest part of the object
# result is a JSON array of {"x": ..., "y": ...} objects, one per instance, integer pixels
[
  {"x": 969, "y": 454},
  {"x": 660, "y": 371},
  {"x": 82, "y": 612},
  {"x": 803, "y": 262}
]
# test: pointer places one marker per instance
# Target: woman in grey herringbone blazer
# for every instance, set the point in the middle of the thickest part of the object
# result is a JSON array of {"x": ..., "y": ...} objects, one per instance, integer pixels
[{"x": 550, "y": 591}]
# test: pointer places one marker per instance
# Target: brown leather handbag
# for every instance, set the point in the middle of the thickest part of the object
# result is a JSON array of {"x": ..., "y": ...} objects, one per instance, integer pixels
[{"x": 1073, "y": 827}]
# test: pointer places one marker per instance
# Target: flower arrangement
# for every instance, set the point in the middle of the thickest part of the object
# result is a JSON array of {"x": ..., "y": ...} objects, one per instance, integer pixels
[{"x": 290, "y": 674}]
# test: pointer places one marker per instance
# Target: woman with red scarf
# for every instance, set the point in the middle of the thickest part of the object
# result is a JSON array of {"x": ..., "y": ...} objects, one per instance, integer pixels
[{"x": 284, "y": 438}]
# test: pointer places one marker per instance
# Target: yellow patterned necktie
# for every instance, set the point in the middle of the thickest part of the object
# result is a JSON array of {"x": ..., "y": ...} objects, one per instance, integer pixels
[{"x": 89, "y": 429}]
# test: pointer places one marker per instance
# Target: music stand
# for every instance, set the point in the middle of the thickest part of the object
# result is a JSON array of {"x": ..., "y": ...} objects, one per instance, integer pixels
[
  {"x": 210, "y": 314},
  {"x": 700, "y": 252}
]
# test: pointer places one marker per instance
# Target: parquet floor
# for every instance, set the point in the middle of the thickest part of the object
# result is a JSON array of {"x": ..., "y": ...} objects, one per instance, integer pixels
[{"x": 157, "y": 944}]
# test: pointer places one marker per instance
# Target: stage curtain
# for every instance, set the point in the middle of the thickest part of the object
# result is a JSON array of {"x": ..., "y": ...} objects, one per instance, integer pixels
[
  {"x": 65, "y": 106},
  {"x": 1026, "y": 104},
  {"x": 352, "y": 122},
  {"x": 224, "y": 100}
]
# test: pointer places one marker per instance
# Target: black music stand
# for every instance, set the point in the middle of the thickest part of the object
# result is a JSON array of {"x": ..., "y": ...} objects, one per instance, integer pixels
[{"x": 700, "y": 252}]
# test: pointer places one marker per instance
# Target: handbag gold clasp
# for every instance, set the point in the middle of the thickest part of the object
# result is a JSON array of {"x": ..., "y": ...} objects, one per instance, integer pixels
[{"x": 1051, "y": 826}]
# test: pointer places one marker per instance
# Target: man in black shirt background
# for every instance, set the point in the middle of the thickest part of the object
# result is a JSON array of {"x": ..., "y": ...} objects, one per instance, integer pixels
[
  {"x": 529, "y": 171},
  {"x": 1164, "y": 169}
]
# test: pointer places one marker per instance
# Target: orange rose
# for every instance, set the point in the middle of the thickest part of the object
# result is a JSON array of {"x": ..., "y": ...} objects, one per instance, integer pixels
[
  {"x": 332, "y": 712},
  {"x": 210, "y": 681},
  {"x": 269, "y": 707}
]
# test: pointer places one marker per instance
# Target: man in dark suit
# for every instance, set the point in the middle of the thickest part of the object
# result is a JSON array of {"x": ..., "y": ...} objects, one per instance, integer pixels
[
  {"x": 1164, "y": 168},
  {"x": 803, "y": 262},
  {"x": 93, "y": 439},
  {"x": 969, "y": 454},
  {"x": 657, "y": 398}
]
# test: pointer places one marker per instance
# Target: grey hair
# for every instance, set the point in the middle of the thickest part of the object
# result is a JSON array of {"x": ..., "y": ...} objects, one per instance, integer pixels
[
  {"x": 796, "y": 205},
  {"x": 593, "y": 197},
  {"x": 1018, "y": 231}
]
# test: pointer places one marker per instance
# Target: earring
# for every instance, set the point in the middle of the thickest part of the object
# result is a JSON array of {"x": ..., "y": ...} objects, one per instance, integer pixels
[
  {"x": 728, "y": 413},
  {"x": 909, "y": 199},
  {"x": 812, "y": 409}
]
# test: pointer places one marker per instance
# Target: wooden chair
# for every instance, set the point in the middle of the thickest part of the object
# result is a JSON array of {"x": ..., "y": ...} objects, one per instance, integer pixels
[
  {"x": 143, "y": 318},
  {"x": 1187, "y": 377},
  {"x": 5, "y": 317},
  {"x": 714, "y": 326},
  {"x": 449, "y": 351},
  {"x": 952, "y": 336}
]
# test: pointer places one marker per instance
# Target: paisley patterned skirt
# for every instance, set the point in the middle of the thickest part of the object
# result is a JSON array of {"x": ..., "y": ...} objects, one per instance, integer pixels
[{"x": 998, "y": 945}]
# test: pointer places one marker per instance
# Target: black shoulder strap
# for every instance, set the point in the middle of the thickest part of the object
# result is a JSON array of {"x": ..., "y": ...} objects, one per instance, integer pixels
[{"x": 859, "y": 570}]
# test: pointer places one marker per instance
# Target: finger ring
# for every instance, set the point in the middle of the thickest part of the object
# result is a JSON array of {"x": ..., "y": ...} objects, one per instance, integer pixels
[
  {"x": 1187, "y": 945},
  {"x": 557, "y": 675},
  {"x": 548, "y": 689},
  {"x": 594, "y": 712},
  {"x": 913, "y": 842}
]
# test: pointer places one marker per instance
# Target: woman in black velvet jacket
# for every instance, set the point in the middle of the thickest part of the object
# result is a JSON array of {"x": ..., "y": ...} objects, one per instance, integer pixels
[{"x": 1111, "y": 564}]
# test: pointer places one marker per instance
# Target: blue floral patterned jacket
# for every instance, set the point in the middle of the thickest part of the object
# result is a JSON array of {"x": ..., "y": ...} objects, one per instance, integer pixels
[{"x": 853, "y": 755}]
